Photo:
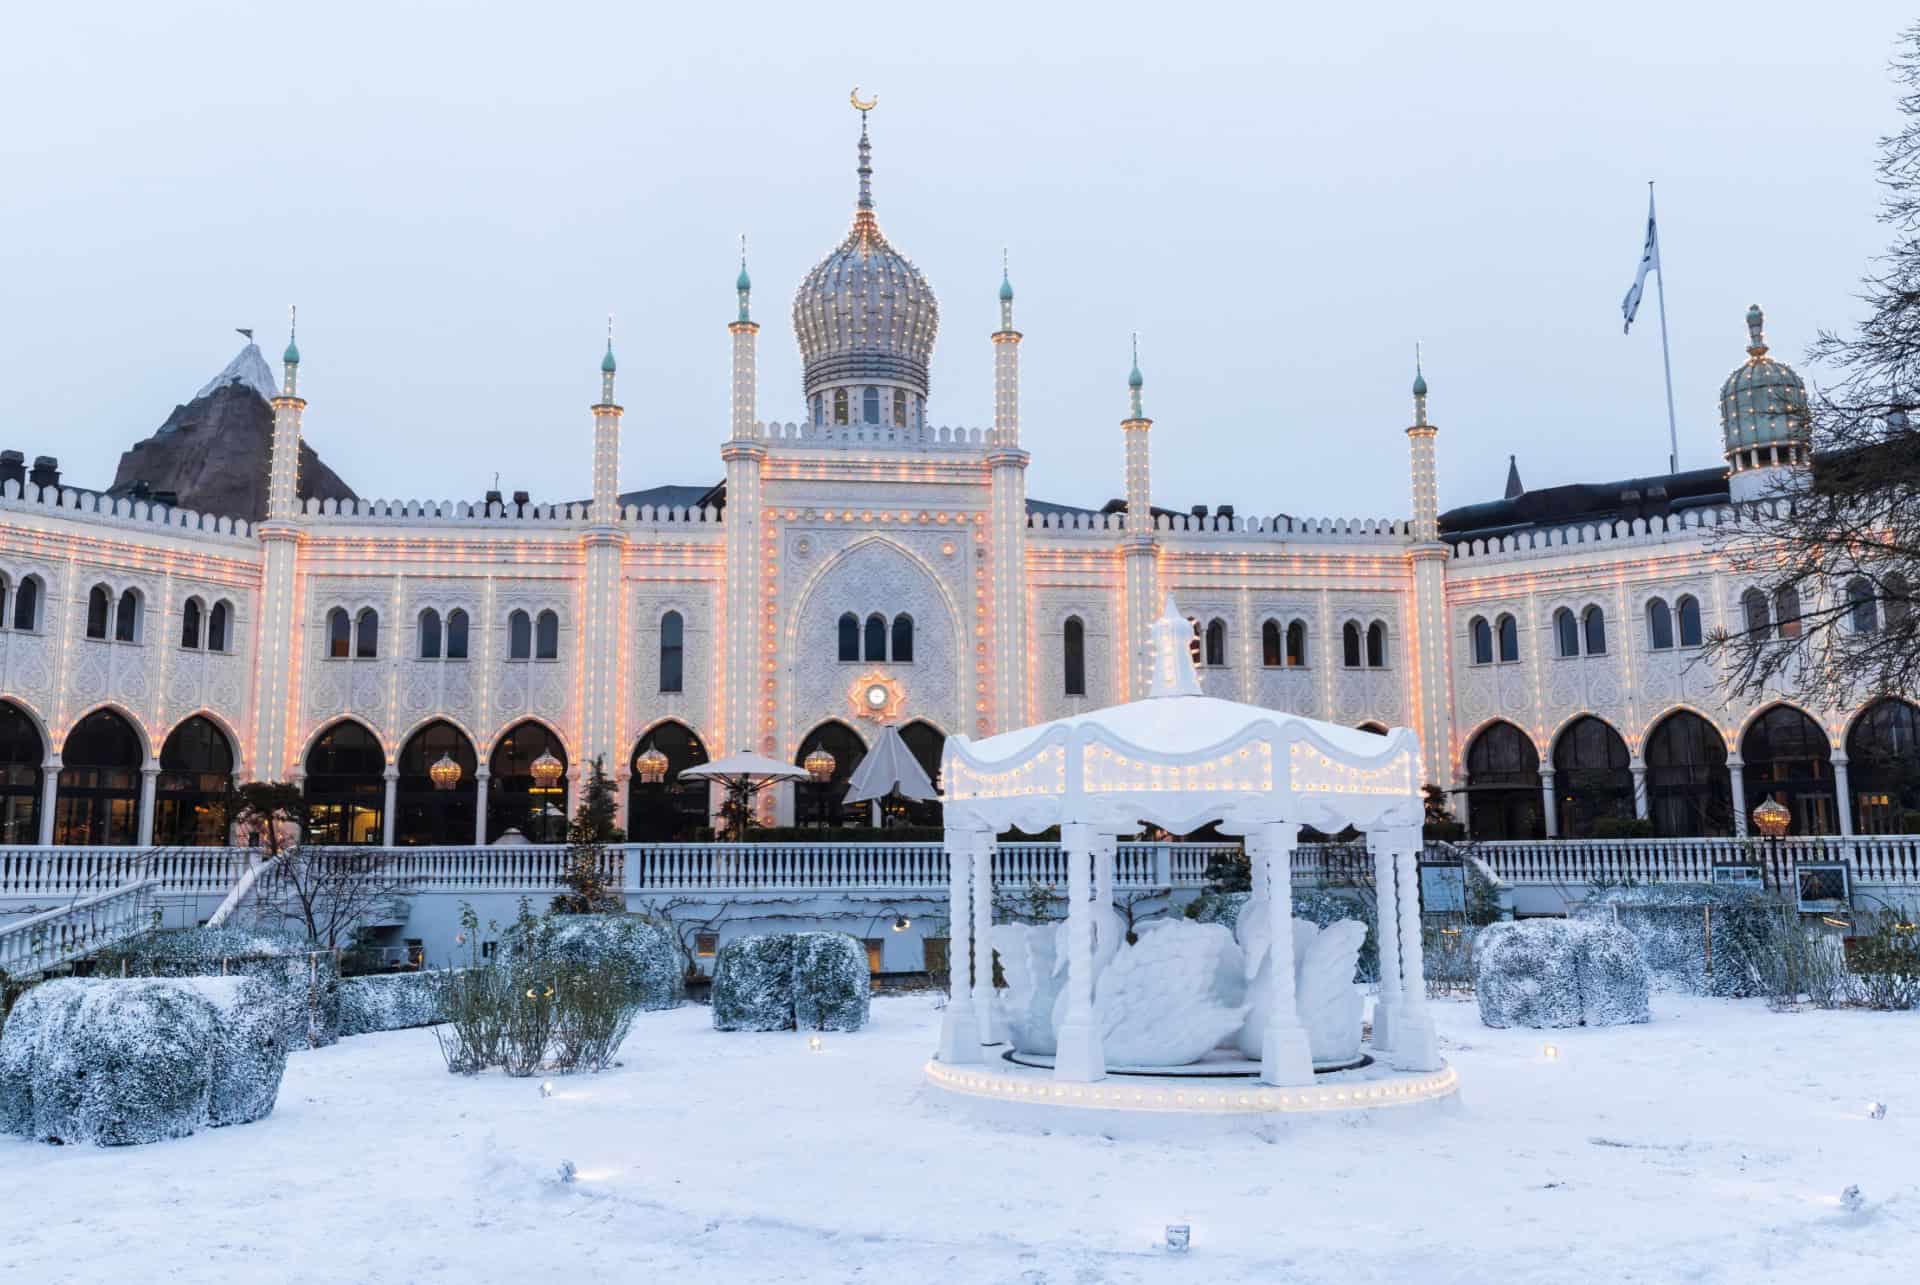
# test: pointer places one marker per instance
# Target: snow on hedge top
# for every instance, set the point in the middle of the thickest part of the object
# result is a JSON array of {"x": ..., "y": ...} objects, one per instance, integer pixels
[{"x": 248, "y": 369}]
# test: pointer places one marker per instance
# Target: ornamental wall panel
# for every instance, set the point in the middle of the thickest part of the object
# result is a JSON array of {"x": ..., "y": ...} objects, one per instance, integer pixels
[
  {"x": 1051, "y": 610},
  {"x": 694, "y": 704}
]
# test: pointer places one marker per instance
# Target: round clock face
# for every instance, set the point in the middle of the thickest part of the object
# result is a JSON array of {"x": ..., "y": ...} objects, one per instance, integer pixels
[{"x": 876, "y": 696}]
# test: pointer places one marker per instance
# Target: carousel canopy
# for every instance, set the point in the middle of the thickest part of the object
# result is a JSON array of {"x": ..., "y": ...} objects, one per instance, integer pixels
[
  {"x": 889, "y": 766},
  {"x": 1180, "y": 759}
]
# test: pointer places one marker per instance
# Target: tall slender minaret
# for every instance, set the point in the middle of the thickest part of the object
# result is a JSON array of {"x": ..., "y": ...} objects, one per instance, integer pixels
[
  {"x": 1427, "y": 637},
  {"x": 1139, "y": 550},
  {"x": 603, "y": 624},
  {"x": 750, "y": 632},
  {"x": 1008, "y": 466},
  {"x": 273, "y": 758}
]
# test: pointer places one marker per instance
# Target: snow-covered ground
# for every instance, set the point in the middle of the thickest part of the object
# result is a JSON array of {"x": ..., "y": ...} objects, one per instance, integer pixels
[{"x": 1710, "y": 1145}]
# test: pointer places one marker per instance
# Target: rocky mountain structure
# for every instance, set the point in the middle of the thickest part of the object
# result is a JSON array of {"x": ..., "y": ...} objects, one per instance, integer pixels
[{"x": 212, "y": 454}]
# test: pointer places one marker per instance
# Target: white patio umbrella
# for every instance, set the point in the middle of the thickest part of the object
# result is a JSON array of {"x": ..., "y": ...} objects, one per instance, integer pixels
[
  {"x": 889, "y": 766},
  {"x": 743, "y": 776}
]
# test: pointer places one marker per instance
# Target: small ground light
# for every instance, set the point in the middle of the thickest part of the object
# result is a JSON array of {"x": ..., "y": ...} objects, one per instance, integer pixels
[
  {"x": 567, "y": 1172},
  {"x": 813, "y": 1043},
  {"x": 546, "y": 1088},
  {"x": 1551, "y": 1052},
  {"x": 1179, "y": 1236},
  {"x": 1876, "y": 1110}
]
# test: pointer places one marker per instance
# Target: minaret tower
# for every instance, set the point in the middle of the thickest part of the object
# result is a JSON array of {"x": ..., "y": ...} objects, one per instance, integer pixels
[
  {"x": 1427, "y": 631},
  {"x": 272, "y": 757},
  {"x": 1008, "y": 465},
  {"x": 603, "y": 623},
  {"x": 750, "y": 632},
  {"x": 1139, "y": 551}
]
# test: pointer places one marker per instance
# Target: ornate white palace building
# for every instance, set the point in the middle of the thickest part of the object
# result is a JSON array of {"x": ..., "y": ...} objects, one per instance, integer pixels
[{"x": 865, "y": 564}]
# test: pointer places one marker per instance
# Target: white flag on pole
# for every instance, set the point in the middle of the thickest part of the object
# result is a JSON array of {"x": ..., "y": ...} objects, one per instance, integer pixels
[{"x": 1649, "y": 262}]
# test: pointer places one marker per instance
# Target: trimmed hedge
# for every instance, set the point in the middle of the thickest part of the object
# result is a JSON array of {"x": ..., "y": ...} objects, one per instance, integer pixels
[
  {"x": 1686, "y": 949},
  {"x": 304, "y": 980},
  {"x": 647, "y": 952},
  {"x": 780, "y": 981},
  {"x": 1558, "y": 972},
  {"x": 122, "y": 1062},
  {"x": 389, "y": 1002}
]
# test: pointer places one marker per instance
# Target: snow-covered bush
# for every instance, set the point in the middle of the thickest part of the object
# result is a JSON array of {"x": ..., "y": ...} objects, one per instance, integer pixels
[
  {"x": 1696, "y": 938},
  {"x": 646, "y": 951},
  {"x": 304, "y": 980},
  {"x": 117, "y": 1062},
  {"x": 389, "y": 1002},
  {"x": 1558, "y": 972},
  {"x": 832, "y": 987},
  {"x": 753, "y": 983},
  {"x": 777, "y": 981}
]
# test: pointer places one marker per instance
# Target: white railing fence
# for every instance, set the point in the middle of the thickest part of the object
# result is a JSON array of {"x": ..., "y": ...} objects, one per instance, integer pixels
[
  {"x": 65, "y": 933},
  {"x": 1891, "y": 859},
  {"x": 81, "y": 872}
]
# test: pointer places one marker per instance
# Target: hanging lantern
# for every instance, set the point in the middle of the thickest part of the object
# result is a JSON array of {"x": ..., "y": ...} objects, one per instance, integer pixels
[
  {"x": 820, "y": 765},
  {"x": 445, "y": 773},
  {"x": 652, "y": 766},
  {"x": 547, "y": 770},
  {"x": 1772, "y": 819}
]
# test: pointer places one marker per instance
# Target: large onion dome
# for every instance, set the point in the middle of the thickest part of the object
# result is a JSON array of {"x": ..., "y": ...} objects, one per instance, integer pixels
[
  {"x": 1763, "y": 408},
  {"x": 865, "y": 316}
]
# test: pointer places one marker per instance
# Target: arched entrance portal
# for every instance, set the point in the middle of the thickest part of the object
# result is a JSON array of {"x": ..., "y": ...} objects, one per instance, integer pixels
[
  {"x": 1592, "y": 777},
  {"x": 1788, "y": 760},
  {"x": 424, "y": 813},
  {"x": 1503, "y": 785},
  {"x": 99, "y": 789},
  {"x": 668, "y": 810},
  {"x": 1883, "y": 753},
  {"x": 1689, "y": 792},
  {"x": 346, "y": 786},
  {"x": 515, "y": 799},
  {"x": 22, "y": 756},
  {"x": 823, "y": 803},
  {"x": 196, "y": 776}
]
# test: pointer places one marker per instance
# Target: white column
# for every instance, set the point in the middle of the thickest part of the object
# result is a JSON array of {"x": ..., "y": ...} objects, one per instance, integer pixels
[
  {"x": 1639, "y": 769},
  {"x": 986, "y": 1013},
  {"x": 1843, "y": 795},
  {"x": 1106, "y": 850},
  {"x": 959, "y": 1035},
  {"x": 1082, "y": 1056},
  {"x": 1260, "y": 872},
  {"x": 386, "y": 813},
  {"x": 1736, "y": 774},
  {"x": 1415, "y": 1047},
  {"x": 1549, "y": 810},
  {"x": 149, "y": 778},
  {"x": 1386, "y": 935},
  {"x": 481, "y": 776},
  {"x": 1285, "y": 1057},
  {"x": 49, "y": 792}
]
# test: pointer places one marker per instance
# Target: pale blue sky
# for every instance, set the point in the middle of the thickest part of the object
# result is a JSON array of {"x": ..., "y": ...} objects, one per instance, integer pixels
[{"x": 1280, "y": 202}]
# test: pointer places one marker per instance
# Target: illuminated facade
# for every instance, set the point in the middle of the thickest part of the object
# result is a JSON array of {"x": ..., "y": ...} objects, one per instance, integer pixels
[{"x": 1542, "y": 645}]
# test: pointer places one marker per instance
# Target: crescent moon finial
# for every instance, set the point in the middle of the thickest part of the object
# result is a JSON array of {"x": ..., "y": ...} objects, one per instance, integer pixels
[{"x": 859, "y": 106}]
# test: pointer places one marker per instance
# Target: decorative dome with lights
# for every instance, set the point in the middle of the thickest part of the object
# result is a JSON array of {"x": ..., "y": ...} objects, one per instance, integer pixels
[
  {"x": 865, "y": 319},
  {"x": 1763, "y": 415}
]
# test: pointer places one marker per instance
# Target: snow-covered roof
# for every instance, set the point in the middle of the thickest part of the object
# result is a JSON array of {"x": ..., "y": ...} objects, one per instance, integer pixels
[
  {"x": 248, "y": 369},
  {"x": 1181, "y": 759}
]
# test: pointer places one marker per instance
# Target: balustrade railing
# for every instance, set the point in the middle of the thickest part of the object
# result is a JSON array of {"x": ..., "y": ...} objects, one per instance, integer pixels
[
  {"x": 53, "y": 937},
  {"x": 80, "y": 872},
  {"x": 1570, "y": 862}
]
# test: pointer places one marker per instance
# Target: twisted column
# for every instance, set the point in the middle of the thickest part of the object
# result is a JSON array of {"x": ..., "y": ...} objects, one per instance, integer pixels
[
  {"x": 986, "y": 1014},
  {"x": 1415, "y": 1046},
  {"x": 959, "y": 1034},
  {"x": 1082, "y": 1057},
  {"x": 1285, "y": 1057},
  {"x": 1386, "y": 934}
]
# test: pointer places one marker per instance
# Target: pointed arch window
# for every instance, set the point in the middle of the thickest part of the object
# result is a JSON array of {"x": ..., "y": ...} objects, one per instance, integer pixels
[
  {"x": 1659, "y": 624},
  {"x": 366, "y": 634},
  {"x": 99, "y": 607},
  {"x": 1297, "y": 644},
  {"x": 876, "y": 638},
  {"x": 1594, "y": 624},
  {"x": 903, "y": 639},
  {"x": 870, "y": 405},
  {"x": 218, "y": 624},
  {"x": 1270, "y": 650},
  {"x": 339, "y": 634},
  {"x": 26, "y": 604},
  {"x": 672, "y": 651},
  {"x": 457, "y": 634},
  {"x": 1688, "y": 609},
  {"x": 1753, "y": 609},
  {"x": 429, "y": 634},
  {"x": 519, "y": 636},
  {"x": 1216, "y": 642},
  {"x": 1861, "y": 608},
  {"x": 839, "y": 405},
  {"x": 546, "y": 636},
  {"x": 1507, "y": 632},
  {"x": 126, "y": 620},
  {"x": 1377, "y": 645},
  {"x": 1786, "y": 611},
  {"x": 1350, "y": 645},
  {"x": 1482, "y": 636},
  {"x": 1566, "y": 632},
  {"x": 1074, "y": 645},
  {"x": 190, "y": 624},
  {"x": 849, "y": 636}
]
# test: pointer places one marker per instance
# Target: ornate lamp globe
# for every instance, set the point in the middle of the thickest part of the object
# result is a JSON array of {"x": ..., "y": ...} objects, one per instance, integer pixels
[
  {"x": 445, "y": 773},
  {"x": 652, "y": 766},
  {"x": 547, "y": 770},
  {"x": 820, "y": 765},
  {"x": 1772, "y": 819}
]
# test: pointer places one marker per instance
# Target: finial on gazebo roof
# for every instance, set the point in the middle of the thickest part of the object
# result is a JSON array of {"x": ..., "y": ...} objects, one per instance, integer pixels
[{"x": 1173, "y": 672}]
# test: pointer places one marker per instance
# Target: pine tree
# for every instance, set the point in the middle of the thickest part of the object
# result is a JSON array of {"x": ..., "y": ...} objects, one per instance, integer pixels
[{"x": 589, "y": 834}]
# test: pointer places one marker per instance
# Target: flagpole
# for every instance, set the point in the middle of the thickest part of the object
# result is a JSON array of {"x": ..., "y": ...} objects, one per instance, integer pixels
[{"x": 1666, "y": 357}]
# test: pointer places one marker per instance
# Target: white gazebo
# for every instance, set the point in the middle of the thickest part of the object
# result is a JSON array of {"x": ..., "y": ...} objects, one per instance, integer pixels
[{"x": 1180, "y": 759}]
